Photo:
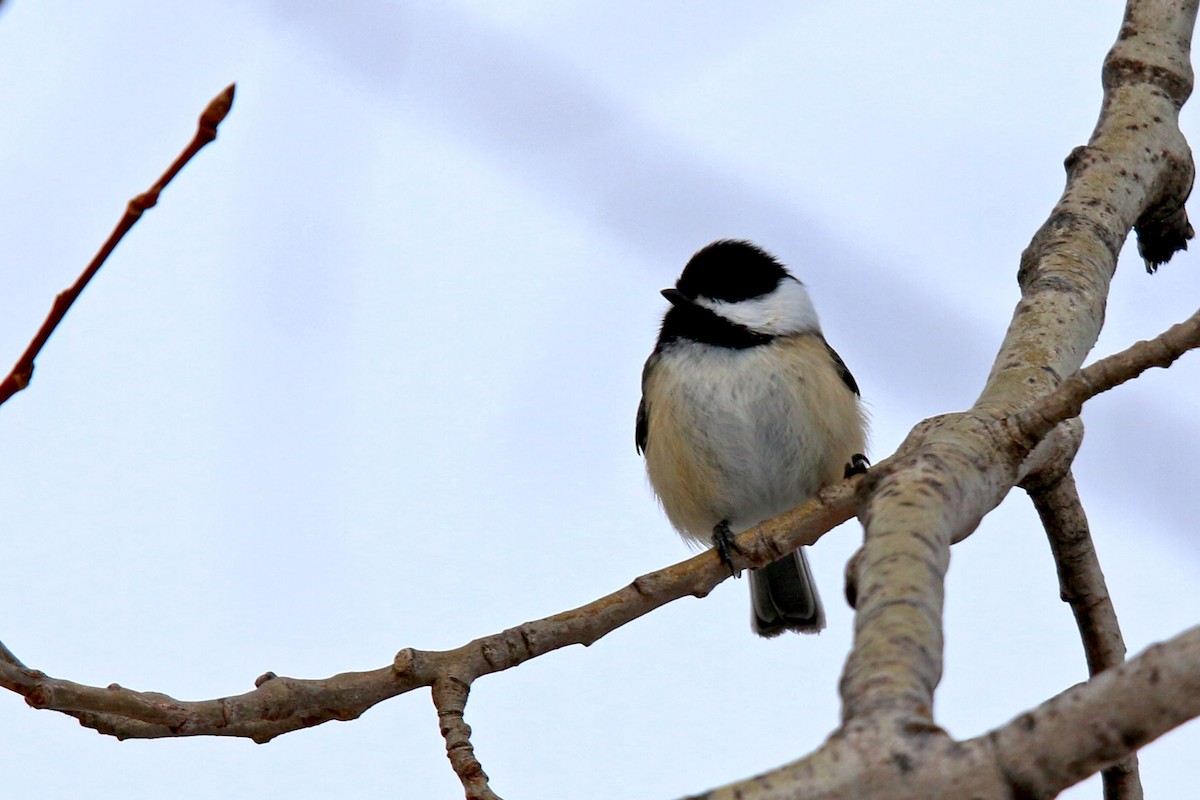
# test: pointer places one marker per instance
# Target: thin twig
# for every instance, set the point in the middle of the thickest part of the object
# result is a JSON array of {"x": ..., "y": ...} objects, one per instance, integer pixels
[
  {"x": 206, "y": 131},
  {"x": 1067, "y": 400},
  {"x": 450, "y": 699},
  {"x": 1082, "y": 586}
]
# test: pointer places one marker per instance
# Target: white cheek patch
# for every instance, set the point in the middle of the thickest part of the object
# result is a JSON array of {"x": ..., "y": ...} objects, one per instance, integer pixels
[{"x": 786, "y": 310}]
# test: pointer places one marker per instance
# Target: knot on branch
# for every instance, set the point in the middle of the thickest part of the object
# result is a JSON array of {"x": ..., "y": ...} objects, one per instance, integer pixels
[{"x": 1163, "y": 231}]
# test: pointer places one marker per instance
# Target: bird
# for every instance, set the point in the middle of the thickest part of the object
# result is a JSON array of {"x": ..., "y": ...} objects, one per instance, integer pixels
[{"x": 746, "y": 412}]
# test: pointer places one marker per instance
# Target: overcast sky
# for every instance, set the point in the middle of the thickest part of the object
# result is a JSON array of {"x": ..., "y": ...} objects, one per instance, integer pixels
[{"x": 366, "y": 377}]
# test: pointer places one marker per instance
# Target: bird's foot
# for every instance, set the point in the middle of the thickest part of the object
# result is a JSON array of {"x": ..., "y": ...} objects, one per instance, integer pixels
[
  {"x": 857, "y": 466},
  {"x": 723, "y": 541}
]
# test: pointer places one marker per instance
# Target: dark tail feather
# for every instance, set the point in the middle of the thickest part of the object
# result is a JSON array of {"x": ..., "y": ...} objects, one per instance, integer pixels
[{"x": 783, "y": 597}]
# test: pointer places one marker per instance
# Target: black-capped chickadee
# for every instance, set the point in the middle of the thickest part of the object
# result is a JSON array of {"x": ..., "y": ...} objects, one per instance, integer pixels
[{"x": 746, "y": 412}]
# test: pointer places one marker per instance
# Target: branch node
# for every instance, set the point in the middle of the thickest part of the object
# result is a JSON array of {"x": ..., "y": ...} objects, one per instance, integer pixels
[
  {"x": 404, "y": 663},
  {"x": 1162, "y": 234},
  {"x": 39, "y": 696}
]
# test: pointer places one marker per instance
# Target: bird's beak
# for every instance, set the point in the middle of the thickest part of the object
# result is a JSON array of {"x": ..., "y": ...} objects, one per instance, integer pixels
[{"x": 676, "y": 297}]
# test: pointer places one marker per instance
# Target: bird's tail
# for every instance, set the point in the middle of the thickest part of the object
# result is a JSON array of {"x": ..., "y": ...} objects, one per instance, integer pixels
[{"x": 783, "y": 597}]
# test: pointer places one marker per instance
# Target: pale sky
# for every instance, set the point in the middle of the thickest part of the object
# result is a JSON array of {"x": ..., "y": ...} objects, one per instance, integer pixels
[{"x": 366, "y": 378}]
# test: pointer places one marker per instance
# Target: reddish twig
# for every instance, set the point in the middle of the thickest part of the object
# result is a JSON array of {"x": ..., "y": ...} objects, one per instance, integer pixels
[{"x": 206, "y": 131}]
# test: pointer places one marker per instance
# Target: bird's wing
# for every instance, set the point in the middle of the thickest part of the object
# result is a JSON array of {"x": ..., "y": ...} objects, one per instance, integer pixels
[
  {"x": 842, "y": 370},
  {"x": 642, "y": 429}
]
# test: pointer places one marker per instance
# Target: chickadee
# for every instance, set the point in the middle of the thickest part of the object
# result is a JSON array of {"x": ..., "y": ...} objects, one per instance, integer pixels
[{"x": 746, "y": 412}]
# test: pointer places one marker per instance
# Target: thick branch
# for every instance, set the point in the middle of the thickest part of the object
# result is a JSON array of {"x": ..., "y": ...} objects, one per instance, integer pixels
[
  {"x": 1096, "y": 724},
  {"x": 955, "y": 469},
  {"x": 1145, "y": 63},
  {"x": 1043, "y": 751},
  {"x": 206, "y": 131}
]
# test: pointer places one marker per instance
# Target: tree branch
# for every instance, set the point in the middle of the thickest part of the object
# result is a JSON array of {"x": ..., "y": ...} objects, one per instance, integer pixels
[
  {"x": 1098, "y": 723},
  {"x": 1066, "y": 401},
  {"x": 22, "y": 372},
  {"x": 450, "y": 699},
  {"x": 279, "y": 705},
  {"x": 954, "y": 469},
  {"x": 1082, "y": 586},
  {"x": 1038, "y": 754},
  {"x": 1135, "y": 172}
]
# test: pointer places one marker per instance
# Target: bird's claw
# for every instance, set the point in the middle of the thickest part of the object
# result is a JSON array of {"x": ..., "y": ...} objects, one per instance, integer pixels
[
  {"x": 724, "y": 542},
  {"x": 857, "y": 466}
]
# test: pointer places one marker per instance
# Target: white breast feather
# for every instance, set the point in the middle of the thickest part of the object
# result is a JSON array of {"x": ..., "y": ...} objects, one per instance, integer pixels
[{"x": 743, "y": 435}]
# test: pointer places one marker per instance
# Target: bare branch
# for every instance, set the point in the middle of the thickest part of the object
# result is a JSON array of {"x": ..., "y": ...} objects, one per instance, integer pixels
[
  {"x": 1081, "y": 581},
  {"x": 1093, "y": 725},
  {"x": 7, "y": 657},
  {"x": 450, "y": 699},
  {"x": 1067, "y": 400},
  {"x": 206, "y": 131},
  {"x": 1038, "y": 754},
  {"x": 1135, "y": 172},
  {"x": 1082, "y": 586},
  {"x": 954, "y": 469},
  {"x": 279, "y": 705},
  {"x": 1144, "y": 63}
]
